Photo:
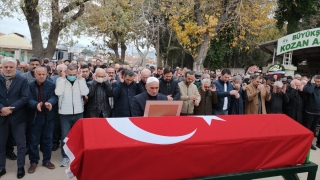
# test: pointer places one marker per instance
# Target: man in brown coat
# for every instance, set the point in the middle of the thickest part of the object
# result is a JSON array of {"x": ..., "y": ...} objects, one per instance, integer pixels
[
  {"x": 208, "y": 97},
  {"x": 258, "y": 94}
]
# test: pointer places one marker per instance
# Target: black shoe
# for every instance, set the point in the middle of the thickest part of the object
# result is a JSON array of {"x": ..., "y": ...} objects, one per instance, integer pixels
[
  {"x": 55, "y": 147},
  {"x": 318, "y": 145},
  {"x": 21, "y": 173},
  {"x": 313, "y": 147},
  {"x": 3, "y": 172},
  {"x": 11, "y": 156}
]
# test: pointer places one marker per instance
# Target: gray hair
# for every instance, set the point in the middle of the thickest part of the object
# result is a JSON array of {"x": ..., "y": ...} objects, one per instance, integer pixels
[
  {"x": 236, "y": 78},
  {"x": 279, "y": 84},
  {"x": 205, "y": 81},
  {"x": 206, "y": 76},
  {"x": 71, "y": 67},
  {"x": 61, "y": 65},
  {"x": 9, "y": 59},
  {"x": 316, "y": 77},
  {"x": 146, "y": 71},
  {"x": 296, "y": 76},
  {"x": 100, "y": 69},
  {"x": 40, "y": 67}
]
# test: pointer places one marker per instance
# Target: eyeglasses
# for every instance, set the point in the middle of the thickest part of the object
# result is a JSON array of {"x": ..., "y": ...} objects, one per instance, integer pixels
[{"x": 206, "y": 87}]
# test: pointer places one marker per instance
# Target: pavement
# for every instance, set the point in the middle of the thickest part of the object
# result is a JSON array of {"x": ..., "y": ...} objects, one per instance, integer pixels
[{"x": 42, "y": 173}]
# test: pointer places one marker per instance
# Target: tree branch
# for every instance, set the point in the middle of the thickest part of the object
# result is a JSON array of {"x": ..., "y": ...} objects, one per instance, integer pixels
[{"x": 72, "y": 6}]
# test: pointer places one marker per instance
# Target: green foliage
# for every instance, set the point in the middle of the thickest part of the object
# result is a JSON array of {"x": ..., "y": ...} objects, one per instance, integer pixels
[
  {"x": 292, "y": 11},
  {"x": 220, "y": 49},
  {"x": 88, "y": 52}
]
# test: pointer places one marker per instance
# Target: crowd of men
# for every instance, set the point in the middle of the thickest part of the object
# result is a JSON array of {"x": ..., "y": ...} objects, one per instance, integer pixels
[{"x": 40, "y": 101}]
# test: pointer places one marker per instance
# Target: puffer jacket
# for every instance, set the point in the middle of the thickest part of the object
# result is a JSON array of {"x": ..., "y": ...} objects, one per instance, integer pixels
[
  {"x": 185, "y": 92},
  {"x": 70, "y": 96}
]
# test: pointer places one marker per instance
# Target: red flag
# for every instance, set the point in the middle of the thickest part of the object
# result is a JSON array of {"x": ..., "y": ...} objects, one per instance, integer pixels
[{"x": 183, "y": 147}]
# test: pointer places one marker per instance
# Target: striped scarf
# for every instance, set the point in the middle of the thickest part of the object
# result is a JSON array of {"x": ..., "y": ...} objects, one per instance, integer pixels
[{"x": 8, "y": 80}]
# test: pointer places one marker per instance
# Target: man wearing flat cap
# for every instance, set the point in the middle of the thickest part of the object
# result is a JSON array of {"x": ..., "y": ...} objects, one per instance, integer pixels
[{"x": 139, "y": 101}]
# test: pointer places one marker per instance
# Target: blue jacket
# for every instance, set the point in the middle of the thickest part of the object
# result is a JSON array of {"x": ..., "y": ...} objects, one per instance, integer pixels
[
  {"x": 140, "y": 100},
  {"x": 222, "y": 94},
  {"x": 48, "y": 95},
  {"x": 237, "y": 105},
  {"x": 16, "y": 97},
  {"x": 122, "y": 96}
]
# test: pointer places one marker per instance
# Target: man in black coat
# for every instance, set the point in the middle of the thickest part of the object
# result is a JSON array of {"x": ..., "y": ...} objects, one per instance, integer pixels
[
  {"x": 278, "y": 98},
  {"x": 139, "y": 101},
  {"x": 168, "y": 86},
  {"x": 123, "y": 93},
  {"x": 294, "y": 107},
  {"x": 312, "y": 109},
  {"x": 41, "y": 120},
  {"x": 14, "y": 95},
  {"x": 99, "y": 93},
  {"x": 145, "y": 74},
  {"x": 237, "y": 103}
]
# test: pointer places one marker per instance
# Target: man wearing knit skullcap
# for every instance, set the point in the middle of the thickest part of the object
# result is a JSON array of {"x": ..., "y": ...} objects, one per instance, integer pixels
[{"x": 139, "y": 101}]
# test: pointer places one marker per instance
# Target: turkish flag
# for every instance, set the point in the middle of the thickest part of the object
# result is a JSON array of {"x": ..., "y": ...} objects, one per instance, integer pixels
[{"x": 183, "y": 147}]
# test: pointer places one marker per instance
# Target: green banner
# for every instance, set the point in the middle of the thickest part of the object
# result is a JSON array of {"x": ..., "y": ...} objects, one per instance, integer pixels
[{"x": 299, "y": 40}]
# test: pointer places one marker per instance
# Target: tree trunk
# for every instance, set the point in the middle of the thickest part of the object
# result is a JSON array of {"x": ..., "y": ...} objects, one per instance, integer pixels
[
  {"x": 143, "y": 57},
  {"x": 32, "y": 17},
  {"x": 114, "y": 47},
  {"x": 52, "y": 41},
  {"x": 159, "y": 60},
  {"x": 182, "y": 58},
  {"x": 202, "y": 53},
  {"x": 169, "y": 43},
  {"x": 226, "y": 59},
  {"x": 234, "y": 58},
  {"x": 30, "y": 10},
  {"x": 123, "y": 51},
  {"x": 293, "y": 24}
]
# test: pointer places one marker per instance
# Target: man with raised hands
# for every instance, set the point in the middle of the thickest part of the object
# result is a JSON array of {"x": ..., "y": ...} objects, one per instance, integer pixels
[{"x": 70, "y": 87}]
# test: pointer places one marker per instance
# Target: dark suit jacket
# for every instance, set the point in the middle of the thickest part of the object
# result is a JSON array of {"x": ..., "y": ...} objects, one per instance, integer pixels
[
  {"x": 167, "y": 88},
  {"x": 122, "y": 96},
  {"x": 17, "y": 97},
  {"x": 140, "y": 100},
  {"x": 48, "y": 95}
]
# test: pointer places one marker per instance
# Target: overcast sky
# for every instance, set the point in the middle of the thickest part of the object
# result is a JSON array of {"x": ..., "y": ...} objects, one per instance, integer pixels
[{"x": 10, "y": 25}]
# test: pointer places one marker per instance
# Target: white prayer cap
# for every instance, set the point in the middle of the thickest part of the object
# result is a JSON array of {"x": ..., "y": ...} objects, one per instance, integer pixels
[{"x": 152, "y": 79}]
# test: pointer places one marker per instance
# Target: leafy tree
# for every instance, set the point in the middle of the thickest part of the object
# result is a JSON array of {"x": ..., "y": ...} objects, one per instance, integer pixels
[
  {"x": 113, "y": 21},
  {"x": 292, "y": 11},
  {"x": 87, "y": 52},
  {"x": 197, "y": 22},
  {"x": 46, "y": 20}
]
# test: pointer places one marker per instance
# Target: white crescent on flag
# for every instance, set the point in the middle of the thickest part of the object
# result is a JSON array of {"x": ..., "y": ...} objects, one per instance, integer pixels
[{"x": 127, "y": 128}]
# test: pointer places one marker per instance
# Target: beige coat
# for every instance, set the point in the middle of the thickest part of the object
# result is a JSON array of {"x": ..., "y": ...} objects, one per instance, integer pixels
[
  {"x": 252, "y": 101},
  {"x": 185, "y": 92}
]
